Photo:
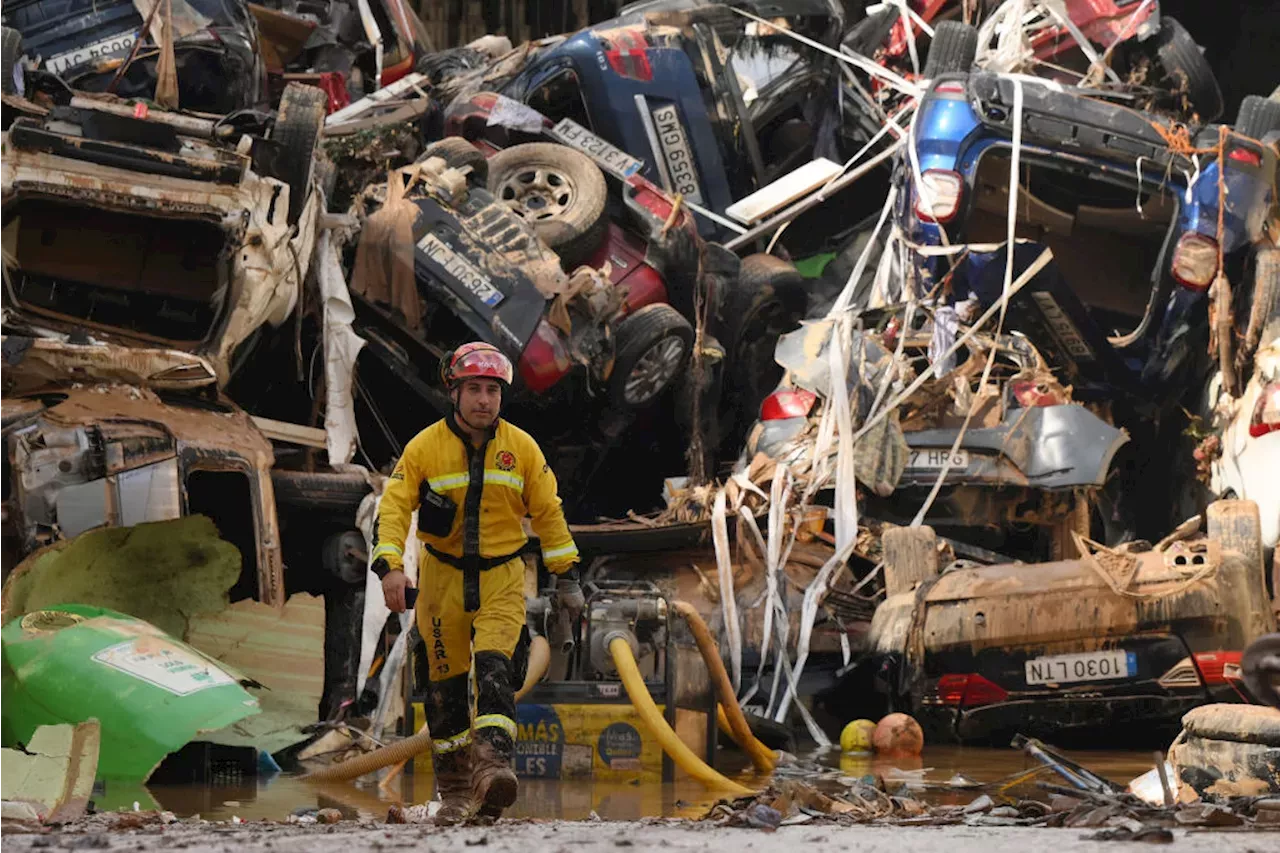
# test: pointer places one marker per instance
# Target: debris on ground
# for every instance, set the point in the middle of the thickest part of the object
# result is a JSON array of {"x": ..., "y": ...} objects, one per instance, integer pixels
[{"x": 50, "y": 780}]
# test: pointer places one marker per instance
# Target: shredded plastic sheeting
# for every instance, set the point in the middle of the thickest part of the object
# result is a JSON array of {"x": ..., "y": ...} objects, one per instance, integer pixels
[{"x": 341, "y": 348}]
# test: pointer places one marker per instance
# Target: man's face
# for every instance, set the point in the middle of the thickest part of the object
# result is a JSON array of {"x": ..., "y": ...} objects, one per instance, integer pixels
[{"x": 479, "y": 401}]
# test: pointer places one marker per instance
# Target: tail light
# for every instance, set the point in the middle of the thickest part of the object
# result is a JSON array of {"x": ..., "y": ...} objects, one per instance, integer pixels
[
  {"x": 1195, "y": 261},
  {"x": 1266, "y": 414},
  {"x": 1215, "y": 667},
  {"x": 1245, "y": 156},
  {"x": 1210, "y": 669},
  {"x": 944, "y": 189},
  {"x": 781, "y": 405},
  {"x": 969, "y": 691}
]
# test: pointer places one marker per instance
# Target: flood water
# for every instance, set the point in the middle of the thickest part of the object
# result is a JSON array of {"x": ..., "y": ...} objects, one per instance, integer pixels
[{"x": 275, "y": 798}]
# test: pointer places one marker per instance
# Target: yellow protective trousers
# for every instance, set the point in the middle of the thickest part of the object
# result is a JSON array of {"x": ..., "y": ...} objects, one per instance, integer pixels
[{"x": 451, "y": 633}]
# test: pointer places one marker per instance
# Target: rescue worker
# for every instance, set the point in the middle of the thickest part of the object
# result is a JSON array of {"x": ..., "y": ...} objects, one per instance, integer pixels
[{"x": 473, "y": 477}]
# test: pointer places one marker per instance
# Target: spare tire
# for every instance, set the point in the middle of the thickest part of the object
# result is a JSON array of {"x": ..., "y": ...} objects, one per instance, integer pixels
[
  {"x": 952, "y": 50},
  {"x": 1185, "y": 66},
  {"x": 652, "y": 349},
  {"x": 558, "y": 191},
  {"x": 458, "y": 153},
  {"x": 1257, "y": 117},
  {"x": 296, "y": 135},
  {"x": 12, "y": 53}
]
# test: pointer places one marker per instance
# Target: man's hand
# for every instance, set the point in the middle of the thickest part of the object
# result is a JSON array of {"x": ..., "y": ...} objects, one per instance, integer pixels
[
  {"x": 393, "y": 590},
  {"x": 569, "y": 594}
]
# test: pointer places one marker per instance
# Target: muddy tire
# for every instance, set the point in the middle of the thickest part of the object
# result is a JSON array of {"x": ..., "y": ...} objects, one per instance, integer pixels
[
  {"x": 1260, "y": 666},
  {"x": 953, "y": 48},
  {"x": 303, "y": 490},
  {"x": 11, "y": 50},
  {"x": 558, "y": 191},
  {"x": 1238, "y": 527},
  {"x": 296, "y": 134},
  {"x": 770, "y": 300},
  {"x": 1257, "y": 116},
  {"x": 910, "y": 557},
  {"x": 1184, "y": 66},
  {"x": 653, "y": 348},
  {"x": 342, "y": 556},
  {"x": 458, "y": 153}
]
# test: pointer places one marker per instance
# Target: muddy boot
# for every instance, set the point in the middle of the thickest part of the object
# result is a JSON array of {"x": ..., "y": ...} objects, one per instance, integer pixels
[
  {"x": 493, "y": 782},
  {"x": 453, "y": 782}
]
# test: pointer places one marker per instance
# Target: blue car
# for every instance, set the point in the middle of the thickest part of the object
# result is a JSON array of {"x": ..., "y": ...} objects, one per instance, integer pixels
[
  {"x": 1128, "y": 203},
  {"x": 92, "y": 45}
]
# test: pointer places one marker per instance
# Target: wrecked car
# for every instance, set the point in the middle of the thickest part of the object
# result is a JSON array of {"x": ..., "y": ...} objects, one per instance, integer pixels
[
  {"x": 1125, "y": 334},
  {"x": 184, "y": 239},
  {"x": 100, "y": 47},
  {"x": 1091, "y": 39},
  {"x": 714, "y": 104},
  {"x": 629, "y": 233},
  {"x": 1130, "y": 638},
  {"x": 365, "y": 46},
  {"x": 1010, "y": 485},
  {"x": 116, "y": 456}
]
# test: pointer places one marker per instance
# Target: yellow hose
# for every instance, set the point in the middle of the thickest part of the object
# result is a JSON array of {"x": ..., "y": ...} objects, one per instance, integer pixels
[
  {"x": 539, "y": 660},
  {"x": 761, "y": 756},
  {"x": 658, "y": 727},
  {"x": 385, "y": 756}
]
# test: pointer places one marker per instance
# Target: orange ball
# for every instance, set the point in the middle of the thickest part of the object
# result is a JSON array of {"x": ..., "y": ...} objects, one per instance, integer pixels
[{"x": 898, "y": 734}]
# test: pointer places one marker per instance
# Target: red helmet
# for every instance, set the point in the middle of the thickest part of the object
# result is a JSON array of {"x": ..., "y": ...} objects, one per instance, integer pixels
[{"x": 476, "y": 360}]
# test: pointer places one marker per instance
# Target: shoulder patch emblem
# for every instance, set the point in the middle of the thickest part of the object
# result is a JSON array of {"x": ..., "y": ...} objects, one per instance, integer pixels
[{"x": 506, "y": 460}]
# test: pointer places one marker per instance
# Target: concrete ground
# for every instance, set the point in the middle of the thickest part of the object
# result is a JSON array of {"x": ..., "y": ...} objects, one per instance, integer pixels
[{"x": 608, "y": 837}]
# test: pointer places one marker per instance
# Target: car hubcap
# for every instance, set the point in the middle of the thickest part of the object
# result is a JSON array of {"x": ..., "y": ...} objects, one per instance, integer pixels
[
  {"x": 538, "y": 193},
  {"x": 654, "y": 370}
]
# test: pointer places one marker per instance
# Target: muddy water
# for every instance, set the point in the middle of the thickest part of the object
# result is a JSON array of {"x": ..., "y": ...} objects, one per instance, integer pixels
[{"x": 277, "y": 797}]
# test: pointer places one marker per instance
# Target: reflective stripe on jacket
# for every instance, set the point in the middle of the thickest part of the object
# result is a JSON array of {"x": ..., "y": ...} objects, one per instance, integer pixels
[{"x": 493, "y": 493}]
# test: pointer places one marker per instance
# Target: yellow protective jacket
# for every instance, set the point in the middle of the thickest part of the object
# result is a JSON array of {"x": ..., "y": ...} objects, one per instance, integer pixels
[{"x": 494, "y": 488}]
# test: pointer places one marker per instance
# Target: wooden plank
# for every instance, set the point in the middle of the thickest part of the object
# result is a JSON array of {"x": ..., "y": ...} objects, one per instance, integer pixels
[
  {"x": 290, "y": 433},
  {"x": 783, "y": 191}
]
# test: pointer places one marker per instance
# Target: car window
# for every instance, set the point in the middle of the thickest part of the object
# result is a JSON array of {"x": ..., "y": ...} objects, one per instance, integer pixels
[
  {"x": 764, "y": 59},
  {"x": 560, "y": 97}
]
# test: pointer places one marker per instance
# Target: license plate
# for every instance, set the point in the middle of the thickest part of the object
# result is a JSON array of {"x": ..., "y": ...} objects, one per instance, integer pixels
[
  {"x": 107, "y": 47},
  {"x": 462, "y": 270},
  {"x": 675, "y": 150},
  {"x": 933, "y": 460},
  {"x": 1092, "y": 666},
  {"x": 1061, "y": 327},
  {"x": 609, "y": 157}
]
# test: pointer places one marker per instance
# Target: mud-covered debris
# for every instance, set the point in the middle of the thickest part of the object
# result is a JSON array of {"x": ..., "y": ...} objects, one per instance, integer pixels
[{"x": 328, "y": 816}]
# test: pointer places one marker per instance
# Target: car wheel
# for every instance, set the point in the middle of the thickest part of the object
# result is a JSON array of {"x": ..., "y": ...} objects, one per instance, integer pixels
[
  {"x": 769, "y": 301},
  {"x": 652, "y": 349},
  {"x": 343, "y": 557},
  {"x": 1185, "y": 66},
  {"x": 458, "y": 153},
  {"x": 1260, "y": 666},
  {"x": 1265, "y": 310},
  {"x": 558, "y": 191},
  {"x": 952, "y": 50},
  {"x": 296, "y": 134},
  {"x": 11, "y": 46},
  {"x": 910, "y": 557},
  {"x": 1257, "y": 117}
]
